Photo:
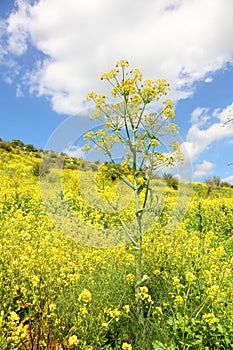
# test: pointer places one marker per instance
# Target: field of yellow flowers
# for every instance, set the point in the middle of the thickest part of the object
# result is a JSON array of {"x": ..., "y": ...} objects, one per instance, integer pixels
[{"x": 57, "y": 293}]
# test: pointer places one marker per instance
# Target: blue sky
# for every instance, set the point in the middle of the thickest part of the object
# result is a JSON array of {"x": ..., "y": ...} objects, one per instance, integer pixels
[{"x": 51, "y": 56}]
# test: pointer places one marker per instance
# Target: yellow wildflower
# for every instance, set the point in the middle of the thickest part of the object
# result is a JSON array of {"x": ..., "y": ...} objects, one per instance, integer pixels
[
  {"x": 176, "y": 281},
  {"x": 85, "y": 296},
  {"x": 189, "y": 277},
  {"x": 73, "y": 340},
  {"x": 157, "y": 272},
  {"x": 109, "y": 75},
  {"x": 209, "y": 318},
  {"x": 130, "y": 277},
  {"x": 126, "y": 346},
  {"x": 122, "y": 63},
  {"x": 115, "y": 313},
  {"x": 91, "y": 96},
  {"x": 126, "y": 308},
  {"x": 144, "y": 295},
  {"x": 178, "y": 300},
  {"x": 83, "y": 310},
  {"x": 212, "y": 291},
  {"x": 13, "y": 317},
  {"x": 159, "y": 309}
]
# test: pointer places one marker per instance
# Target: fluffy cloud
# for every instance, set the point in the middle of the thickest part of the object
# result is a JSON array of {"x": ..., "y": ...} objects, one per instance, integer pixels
[
  {"x": 201, "y": 135},
  {"x": 74, "y": 151},
  {"x": 204, "y": 169},
  {"x": 228, "y": 179},
  {"x": 181, "y": 40}
]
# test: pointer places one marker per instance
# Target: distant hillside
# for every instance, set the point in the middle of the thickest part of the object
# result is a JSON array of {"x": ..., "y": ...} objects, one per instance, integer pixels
[
  {"x": 26, "y": 158},
  {"x": 18, "y": 147}
]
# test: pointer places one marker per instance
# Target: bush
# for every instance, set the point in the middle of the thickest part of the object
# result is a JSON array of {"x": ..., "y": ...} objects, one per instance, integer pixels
[
  {"x": 225, "y": 184},
  {"x": 17, "y": 143},
  {"x": 5, "y": 145},
  {"x": 30, "y": 148},
  {"x": 171, "y": 181},
  {"x": 41, "y": 169},
  {"x": 71, "y": 166}
]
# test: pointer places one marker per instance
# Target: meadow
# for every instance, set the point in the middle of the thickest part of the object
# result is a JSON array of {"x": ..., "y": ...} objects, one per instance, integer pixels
[{"x": 58, "y": 292}]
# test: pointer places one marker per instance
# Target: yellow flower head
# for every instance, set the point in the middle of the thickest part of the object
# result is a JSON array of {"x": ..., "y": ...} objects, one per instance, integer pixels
[
  {"x": 126, "y": 308},
  {"x": 178, "y": 300},
  {"x": 73, "y": 340},
  {"x": 85, "y": 296},
  {"x": 91, "y": 96},
  {"x": 144, "y": 295},
  {"x": 209, "y": 318},
  {"x": 130, "y": 277},
  {"x": 212, "y": 291},
  {"x": 13, "y": 317},
  {"x": 122, "y": 63},
  {"x": 176, "y": 281},
  {"x": 126, "y": 346},
  {"x": 189, "y": 277},
  {"x": 115, "y": 313}
]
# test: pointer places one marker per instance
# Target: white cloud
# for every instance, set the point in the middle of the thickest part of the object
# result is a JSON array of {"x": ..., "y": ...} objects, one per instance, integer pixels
[
  {"x": 181, "y": 40},
  {"x": 17, "y": 28},
  {"x": 208, "y": 80},
  {"x": 200, "y": 116},
  {"x": 74, "y": 151},
  {"x": 228, "y": 179},
  {"x": 204, "y": 169},
  {"x": 200, "y": 136}
]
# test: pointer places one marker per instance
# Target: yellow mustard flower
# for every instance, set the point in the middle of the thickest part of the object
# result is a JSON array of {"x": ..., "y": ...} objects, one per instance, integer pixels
[
  {"x": 126, "y": 308},
  {"x": 85, "y": 296},
  {"x": 209, "y": 318},
  {"x": 126, "y": 346},
  {"x": 190, "y": 277},
  {"x": 73, "y": 340},
  {"x": 178, "y": 300}
]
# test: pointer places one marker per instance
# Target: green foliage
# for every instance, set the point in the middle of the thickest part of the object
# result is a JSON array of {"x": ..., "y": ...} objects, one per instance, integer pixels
[
  {"x": 5, "y": 145},
  {"x": 17, "y": 143},
  {"x": 41, "y": 169},
  {"x": 225, "y": 184},
  {"x": 30, "y": 148},
  {"x": 171, "y": 181}
]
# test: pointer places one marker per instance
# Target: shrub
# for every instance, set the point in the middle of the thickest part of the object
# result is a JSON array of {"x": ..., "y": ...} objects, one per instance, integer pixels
[
  {"x": 41, "y": 169},
  {"x": 171, "y": 181},
  {"x": 225, "y": 184},
  {"x": 5, "y": 145}
]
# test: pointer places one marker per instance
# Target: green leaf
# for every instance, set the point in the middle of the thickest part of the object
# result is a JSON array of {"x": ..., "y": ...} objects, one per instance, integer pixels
[
  {"x": 157, "y": 345},
  {"x": 220, "y": 328}
]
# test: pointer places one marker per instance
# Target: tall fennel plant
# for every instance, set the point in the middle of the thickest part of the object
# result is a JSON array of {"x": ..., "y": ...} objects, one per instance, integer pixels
[{"x": 139, "y": 131}]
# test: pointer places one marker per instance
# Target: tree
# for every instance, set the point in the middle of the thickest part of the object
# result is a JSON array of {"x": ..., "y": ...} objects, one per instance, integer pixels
[
  {"x": 211, "y": 183},
  {"x": 129, "y": 122},
  {"x": 5, "y": 145},
  {"x": 216, "y": 180},
  {"x": 17, "y": 143},
  {"x": 171, "y": 181},
  {"x": 30, "y": 148}
]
